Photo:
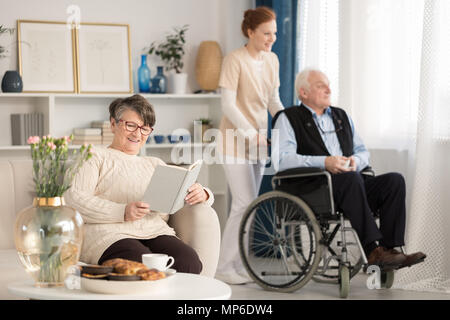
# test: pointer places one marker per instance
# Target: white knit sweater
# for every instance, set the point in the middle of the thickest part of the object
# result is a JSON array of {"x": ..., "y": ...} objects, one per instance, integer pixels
[{"x": 100, "y": 191}]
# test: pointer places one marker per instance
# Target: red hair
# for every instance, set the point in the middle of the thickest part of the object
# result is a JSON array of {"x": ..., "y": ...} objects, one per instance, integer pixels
[{"x": 254, "y": 17}]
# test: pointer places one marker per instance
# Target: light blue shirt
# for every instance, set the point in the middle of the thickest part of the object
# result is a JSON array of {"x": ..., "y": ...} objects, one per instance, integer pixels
[{"x": 287, "y": 148}]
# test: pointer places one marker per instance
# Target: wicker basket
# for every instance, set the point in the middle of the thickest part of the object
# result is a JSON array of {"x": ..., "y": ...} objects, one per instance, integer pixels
[{"x": 208, "y": 65}]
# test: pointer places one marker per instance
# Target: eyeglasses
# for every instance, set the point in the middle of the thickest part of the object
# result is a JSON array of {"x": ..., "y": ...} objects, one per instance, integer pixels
[{"x": 133, "y": 126}]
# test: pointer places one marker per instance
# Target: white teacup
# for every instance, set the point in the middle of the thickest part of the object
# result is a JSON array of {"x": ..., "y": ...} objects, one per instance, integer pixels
[{"x": 159, "y": 261}]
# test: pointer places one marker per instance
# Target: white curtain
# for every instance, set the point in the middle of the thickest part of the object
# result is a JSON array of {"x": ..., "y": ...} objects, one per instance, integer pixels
[
  {"x": 318, "y": 39},
  {"x": 393, "y": 77},
  {"x": 429, "y": 217}
]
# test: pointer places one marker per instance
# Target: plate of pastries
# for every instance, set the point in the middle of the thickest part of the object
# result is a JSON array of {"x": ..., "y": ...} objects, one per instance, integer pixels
[{"x": 121, "y": 276}]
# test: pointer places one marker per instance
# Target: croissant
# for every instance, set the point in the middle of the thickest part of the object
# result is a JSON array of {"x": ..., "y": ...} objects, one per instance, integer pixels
[{"x": 124, "y": 266}]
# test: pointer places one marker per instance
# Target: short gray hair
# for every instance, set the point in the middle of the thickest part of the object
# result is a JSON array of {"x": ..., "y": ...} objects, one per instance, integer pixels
[{"x": 301, "y": 81}]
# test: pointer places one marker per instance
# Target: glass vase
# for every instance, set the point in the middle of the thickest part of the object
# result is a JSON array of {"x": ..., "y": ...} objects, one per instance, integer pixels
[
  {"x": 159, "y": 82},
  {"x": 48, "y": 237},
  {"x": 144, "y": 75}
]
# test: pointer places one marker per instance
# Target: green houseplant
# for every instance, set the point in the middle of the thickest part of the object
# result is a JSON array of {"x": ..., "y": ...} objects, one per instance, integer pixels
[
  {"x": 48, "y": 235},
  {"x": 171, "y": 51}
]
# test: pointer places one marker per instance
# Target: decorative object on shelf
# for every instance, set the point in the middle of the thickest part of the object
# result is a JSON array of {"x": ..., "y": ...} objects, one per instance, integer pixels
[
  {"x": 158, "y": 138},
  {"x": 173, "y": 138},
  {"x": 208, "y": 65},
  {"x": 159, "y": 82},
  {"x": 104, "y": 58},
  {"x": 185, "y": 138},
  {"x": 144, "y": 75},
  {"x": 46, "y": 53},
  {"x": 12, "y": 82},
  {"x": 48, "y": 235},
  {"x": 171, "y": 52},
  {"x": 177, "y": 83}
]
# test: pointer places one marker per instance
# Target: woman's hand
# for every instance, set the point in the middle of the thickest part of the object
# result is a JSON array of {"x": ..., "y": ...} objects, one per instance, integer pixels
[
  {"x": 196, "y": 194},
  {"x": 136, "y": 210}
]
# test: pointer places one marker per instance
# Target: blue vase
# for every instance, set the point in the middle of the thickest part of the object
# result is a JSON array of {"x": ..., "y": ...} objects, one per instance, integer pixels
[
  {"x": 144, "y": 75},
  {"x": 159, "y": 82},
  {"x": 12, "y": 82}
]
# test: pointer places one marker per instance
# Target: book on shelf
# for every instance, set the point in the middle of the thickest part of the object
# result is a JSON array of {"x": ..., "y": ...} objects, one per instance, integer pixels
[
  {"x": 169, "y": 186},
  {"x": 24, "y": 125},
  {"x": 103, "y": 124},
  {"x": 87, "y": 131},
  {"x": 17, "y": 129},
  {"x": 87, "y": 140}
]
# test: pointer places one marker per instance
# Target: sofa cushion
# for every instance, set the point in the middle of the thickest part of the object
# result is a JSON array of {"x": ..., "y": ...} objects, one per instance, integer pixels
[
  {"x": 24, "y": 190},
  {"x": 7, "y": 214}
]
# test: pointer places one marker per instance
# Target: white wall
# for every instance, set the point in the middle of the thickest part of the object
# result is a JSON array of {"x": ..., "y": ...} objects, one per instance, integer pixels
[{"x": 149, "y": 20}]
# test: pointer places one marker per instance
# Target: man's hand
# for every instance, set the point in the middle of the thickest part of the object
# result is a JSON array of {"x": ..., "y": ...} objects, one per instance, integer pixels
[
  {"x": 136, "y": 210},
  {"x": 337, "y": 164},
  {"x": 352, "y": 165},
  {"x": 196, "y": 194}
]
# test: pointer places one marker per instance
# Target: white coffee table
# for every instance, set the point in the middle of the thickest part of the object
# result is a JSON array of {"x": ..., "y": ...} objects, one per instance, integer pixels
[{"x": 184, "y": 286}]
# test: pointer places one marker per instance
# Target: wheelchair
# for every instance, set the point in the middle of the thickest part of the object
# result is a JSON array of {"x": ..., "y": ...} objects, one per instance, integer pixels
[{"x": 294, "y": 234}]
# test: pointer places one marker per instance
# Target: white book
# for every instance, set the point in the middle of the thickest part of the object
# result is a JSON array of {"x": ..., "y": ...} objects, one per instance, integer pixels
[
  {"x": 87, "y": 131},
  {"x": 100, "y": 124},
  {"x": 169, "y": 186}
]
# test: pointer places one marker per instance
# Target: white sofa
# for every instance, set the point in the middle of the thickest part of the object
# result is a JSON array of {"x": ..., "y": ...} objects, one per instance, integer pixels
[{"x": 197, "y": 225}]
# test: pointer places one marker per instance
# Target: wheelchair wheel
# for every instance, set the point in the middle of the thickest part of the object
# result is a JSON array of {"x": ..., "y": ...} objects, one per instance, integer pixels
[
  {"x": 344, "y": 281},
  {"x": 279, "y": 242},
  {"x": 387, "y": 279},
  {"x": 330, "y": 273}
]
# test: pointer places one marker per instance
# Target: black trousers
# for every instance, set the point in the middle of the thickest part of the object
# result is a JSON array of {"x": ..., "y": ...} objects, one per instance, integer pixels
[
  {"x": 360, "y": 197},
  {"x": 186, "y": 259}
]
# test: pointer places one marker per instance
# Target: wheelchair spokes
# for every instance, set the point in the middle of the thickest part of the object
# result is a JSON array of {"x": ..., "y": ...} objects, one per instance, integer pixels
[{"x": 279, "y": 242}]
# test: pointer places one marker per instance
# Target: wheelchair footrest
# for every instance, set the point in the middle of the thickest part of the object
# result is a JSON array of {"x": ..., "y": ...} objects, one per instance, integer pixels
[
  {"x": 339, "y": 243},
  {"x": 271, "y": 273}
]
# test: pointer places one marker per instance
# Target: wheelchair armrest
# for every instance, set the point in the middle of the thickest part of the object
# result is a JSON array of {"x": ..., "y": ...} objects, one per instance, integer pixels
[
  {"x": 368, "y": 171},
  {"x": 300, "y": 172}
]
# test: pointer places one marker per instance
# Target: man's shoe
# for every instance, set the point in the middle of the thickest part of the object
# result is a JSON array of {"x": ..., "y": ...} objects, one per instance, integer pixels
[
  {"x": 385, "y": 259},
  {"x": 410, "y": 259}
]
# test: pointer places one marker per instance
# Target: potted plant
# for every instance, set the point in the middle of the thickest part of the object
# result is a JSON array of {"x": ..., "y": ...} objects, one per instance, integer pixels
[{"x": 171, "y": 51}]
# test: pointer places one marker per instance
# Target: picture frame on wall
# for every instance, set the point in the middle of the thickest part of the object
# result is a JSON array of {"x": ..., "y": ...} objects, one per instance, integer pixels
[
  {"x": 46, "y": 52},
  {"x": 104, "y": 58}
]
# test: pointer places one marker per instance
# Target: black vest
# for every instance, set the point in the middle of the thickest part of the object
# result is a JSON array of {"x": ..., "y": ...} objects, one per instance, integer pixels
[{"x": 309, "y": 141}]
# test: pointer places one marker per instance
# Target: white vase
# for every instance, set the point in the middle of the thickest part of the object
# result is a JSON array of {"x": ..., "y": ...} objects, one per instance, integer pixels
[{"x": 177, "y": 83}]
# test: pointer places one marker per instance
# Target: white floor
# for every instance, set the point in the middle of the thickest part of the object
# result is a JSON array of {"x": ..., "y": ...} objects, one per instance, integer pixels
[{"x": 320, "y": 291}]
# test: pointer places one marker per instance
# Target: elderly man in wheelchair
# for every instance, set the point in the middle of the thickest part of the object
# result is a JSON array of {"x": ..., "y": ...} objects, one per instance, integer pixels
[{"x": 320, "y": 221}]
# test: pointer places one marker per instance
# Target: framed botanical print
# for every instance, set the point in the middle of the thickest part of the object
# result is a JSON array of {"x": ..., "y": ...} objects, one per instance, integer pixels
[
  {"x": 103, "y": 58},
  {"x": 46, "y": 51}
]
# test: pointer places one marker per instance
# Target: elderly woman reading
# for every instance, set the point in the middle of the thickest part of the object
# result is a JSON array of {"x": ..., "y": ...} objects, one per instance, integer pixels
[{"x": 107, "y": 192}]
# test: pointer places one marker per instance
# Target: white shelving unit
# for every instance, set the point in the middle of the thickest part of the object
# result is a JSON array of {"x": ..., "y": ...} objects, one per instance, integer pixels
[{"x": 64, "y": 112}]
